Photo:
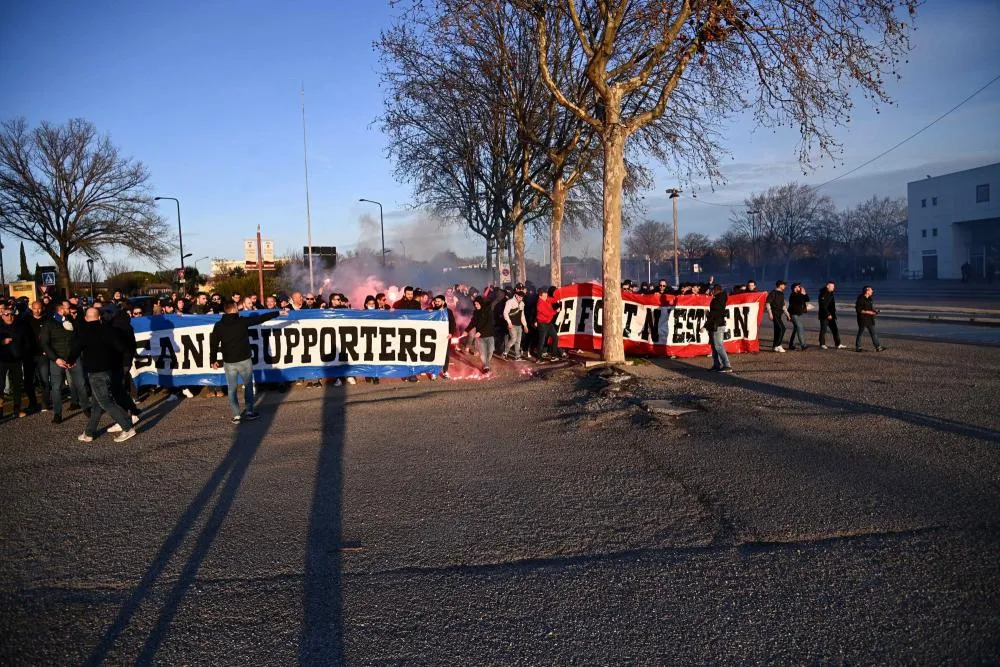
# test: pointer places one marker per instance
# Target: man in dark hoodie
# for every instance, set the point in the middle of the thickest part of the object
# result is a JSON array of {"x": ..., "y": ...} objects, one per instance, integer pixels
[
  {"x": 440, "y": 303},
  {"x": 482, "y": 324},
  {"x": 715, "y": 324},
  {"x": 101, "y": 352},
  {"x": 828, "y": 316},
  {"x": 13, "y": 349},
  {"x": 230, "y": 349},
  {"x": 35, "y": 363},
  {"x": 58, "y": 340},
  {"x": 121, "y": 379}
]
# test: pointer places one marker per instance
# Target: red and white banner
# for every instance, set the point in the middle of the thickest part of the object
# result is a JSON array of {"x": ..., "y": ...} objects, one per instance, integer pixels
[{"x": 657, "y": 325}]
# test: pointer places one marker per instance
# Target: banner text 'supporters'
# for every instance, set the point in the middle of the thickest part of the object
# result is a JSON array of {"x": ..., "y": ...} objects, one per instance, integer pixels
[
  {"x": 174, "y": 350},
  {"x": 657, "y": 325}
]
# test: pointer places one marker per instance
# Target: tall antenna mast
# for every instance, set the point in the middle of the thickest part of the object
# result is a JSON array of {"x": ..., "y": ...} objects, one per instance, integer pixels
[{"x": 305, "y": 164}]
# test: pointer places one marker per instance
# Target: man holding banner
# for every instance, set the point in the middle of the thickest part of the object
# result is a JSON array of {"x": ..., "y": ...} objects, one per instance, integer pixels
[
  {"x": 230, "y": 339},
  {"x": 715, "y": 324}
]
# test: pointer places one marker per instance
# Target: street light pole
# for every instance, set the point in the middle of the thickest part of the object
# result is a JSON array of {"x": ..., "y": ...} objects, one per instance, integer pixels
[
  {"x": 305, "y": 164},
  {"x": 90, "y": 268},
  {"x": 755, "y": 238},
  {"x": 381, "y": 224},
  {"x": 180, "y": 235},
  {"x": 674, "y": 194}
]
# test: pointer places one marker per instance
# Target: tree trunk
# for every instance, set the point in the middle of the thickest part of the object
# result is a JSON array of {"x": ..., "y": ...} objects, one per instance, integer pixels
[
  {"x": 559, "y": 195},
  {"x": 613, "y": 345},
  {"x": 519, "y": 269},
  {"x": 62, "y": 266}
]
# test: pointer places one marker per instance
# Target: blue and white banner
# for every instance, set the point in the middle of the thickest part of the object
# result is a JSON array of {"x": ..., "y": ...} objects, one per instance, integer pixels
[{"x": 174, "y": 350}]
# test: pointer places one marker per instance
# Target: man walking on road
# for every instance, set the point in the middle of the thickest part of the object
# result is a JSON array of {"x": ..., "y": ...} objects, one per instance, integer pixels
[
  {"x": 828, "y": 316},
  {"x": 866, "y": 318},
  {"x": 777, "y": 312},
  {"x": 230, "y": 341},
  {"x": 715, "y": 324},
  {"x": 101, "y": 354}
]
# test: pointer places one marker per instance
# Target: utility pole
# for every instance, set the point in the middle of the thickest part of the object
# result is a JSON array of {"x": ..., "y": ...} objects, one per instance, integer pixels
[
  {"x": 309, "y": 232},
  {"x": 260, "y": 266},
  {"x": 674, "y": 194}
]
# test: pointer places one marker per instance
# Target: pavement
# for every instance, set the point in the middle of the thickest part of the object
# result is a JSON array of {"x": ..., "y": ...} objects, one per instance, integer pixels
[{"x": 815, "y": 507}]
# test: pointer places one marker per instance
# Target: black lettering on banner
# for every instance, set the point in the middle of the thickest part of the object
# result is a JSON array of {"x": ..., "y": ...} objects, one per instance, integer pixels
[
  {"x": 428, "y": 347},
  {"x": 726, "y": 331},
  {"x": 348, "y": 343},
  {"x": 567, "y": 315},
  {"x": 292, "y": 340},
  {"x": 586, "y": 308},
  {"x": 190, "y": 348},
  {"x": 741, "y": 320},
  {"x": 679, "y": 316},
  {"x": 310, "y": 337},
  {"x": 142, "y": 360},
  {"x": 631, "y": 310},
  {"x": 327, "y": 344},
  {"x": 254, "y": 346},
  {"x": 368, "y": 334},
  {"x": 167, "y": 353},
  {"x": 696, "y": 319},
  {"x": 599, "y": 317},
  {"x": 407, "y": 344},
  {"x": 268, "y": 335},
  {"x": 385, "y": 353},
  {"x": 651, "y": 326}
]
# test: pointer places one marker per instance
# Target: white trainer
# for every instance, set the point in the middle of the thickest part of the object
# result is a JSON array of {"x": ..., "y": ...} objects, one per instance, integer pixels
[
  {"x": 351, "y": 381},
  {"x": 83, "y": 437},
  {"x": 127, "y": 435},
  {"x": 117, "y": 428},
  {"x": 779, "y": 349}
]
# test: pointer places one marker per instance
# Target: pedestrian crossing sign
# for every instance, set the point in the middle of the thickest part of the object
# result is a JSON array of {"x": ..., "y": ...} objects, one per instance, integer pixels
[{"x": 49, "y": 278}]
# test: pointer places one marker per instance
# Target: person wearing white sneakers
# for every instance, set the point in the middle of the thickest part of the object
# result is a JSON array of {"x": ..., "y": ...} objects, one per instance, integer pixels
[
  {"x": 101, "y": 351},
  {"x": 777, "y": 312}
]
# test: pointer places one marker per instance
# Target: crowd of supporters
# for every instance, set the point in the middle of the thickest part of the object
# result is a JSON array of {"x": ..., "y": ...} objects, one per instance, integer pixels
[{"x": 79, "y": 349}]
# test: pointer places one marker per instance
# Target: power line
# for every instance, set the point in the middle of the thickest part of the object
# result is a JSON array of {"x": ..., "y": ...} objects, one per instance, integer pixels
[{"x": 883, "y": 153}]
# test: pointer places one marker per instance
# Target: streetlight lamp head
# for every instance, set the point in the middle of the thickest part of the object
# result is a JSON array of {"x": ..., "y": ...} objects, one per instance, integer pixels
[{"x": 157, "y": 198}]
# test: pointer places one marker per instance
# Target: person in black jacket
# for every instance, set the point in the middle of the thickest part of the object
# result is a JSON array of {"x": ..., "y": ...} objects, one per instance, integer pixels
[
  {"x": 101, "y": 352},
  {"x": 36, "y": 364},
  {"x": 715, "y": 324},
  {"x": 866, "y": 318},
  {"x": 58, "y": 339},
  {"x": 828, "y": 316},
  {"x": 230, "y": 349},
  {"x": 13, "y": 349},
  {"x": 482, "y": 324},
  {"x": 776, "y": 312},
  {"x": 798, "y": 304},
  {"x": 121, "y": 376}
]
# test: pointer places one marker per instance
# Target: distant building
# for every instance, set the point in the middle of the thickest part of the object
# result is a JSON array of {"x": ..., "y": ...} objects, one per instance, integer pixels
[
  {"x": 221, "y": 267},
  {"x": 954, "y": 221}
]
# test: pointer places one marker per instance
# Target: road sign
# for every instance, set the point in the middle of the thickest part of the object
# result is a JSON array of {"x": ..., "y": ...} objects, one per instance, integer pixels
[
  {"x": 49, "y": 279},
  {"x": 21, "y": 288},
  {"x": 250, "y": 253}
]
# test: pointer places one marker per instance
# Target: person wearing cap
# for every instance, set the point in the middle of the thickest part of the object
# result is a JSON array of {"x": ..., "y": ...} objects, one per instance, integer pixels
[
  {"x": 101, "y": 353},
  {"x": 481, "y": 327},
  {"x": 441, "y": 303}
]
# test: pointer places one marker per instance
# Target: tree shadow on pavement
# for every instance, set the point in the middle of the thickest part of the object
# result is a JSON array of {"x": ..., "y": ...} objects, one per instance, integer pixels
[
  {"x": 823, "y": 400},
  {"x": 224, "y": 480},
  {"x": 321, "y": 641}
]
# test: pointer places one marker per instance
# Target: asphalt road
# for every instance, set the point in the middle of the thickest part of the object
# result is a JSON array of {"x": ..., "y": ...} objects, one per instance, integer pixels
[{"x": 817, "y": 506}]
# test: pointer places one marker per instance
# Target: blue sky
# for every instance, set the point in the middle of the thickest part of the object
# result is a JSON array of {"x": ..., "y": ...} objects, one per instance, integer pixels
[{"x": 206, "y": 94}]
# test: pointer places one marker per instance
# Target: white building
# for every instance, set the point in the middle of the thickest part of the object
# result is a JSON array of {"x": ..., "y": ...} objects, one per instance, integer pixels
[{"x": 954, "y": 221}]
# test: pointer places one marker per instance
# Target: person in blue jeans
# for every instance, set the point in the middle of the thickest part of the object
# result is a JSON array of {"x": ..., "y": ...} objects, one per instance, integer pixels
[
  {"x": 100, "y": 355},
  {"x": 798, "y": 302},
  {"x": 230, "y": 342},
  {"x": 715, "y": 324},
  {"x": 58, "y": 340}
]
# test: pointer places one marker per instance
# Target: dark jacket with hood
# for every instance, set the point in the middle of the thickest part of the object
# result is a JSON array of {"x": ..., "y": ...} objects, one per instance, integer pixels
[
  {"x": 230, "y": 337},
  {"x": 482, "y": 319},
  {"x": 18, "y": 347},
  {"x": 717, "y": 312}
]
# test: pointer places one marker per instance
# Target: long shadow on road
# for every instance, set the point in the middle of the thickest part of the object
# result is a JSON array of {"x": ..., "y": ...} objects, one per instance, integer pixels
[
  {"x": 228, "y": 476},
  {"x": 321, "y": 641},
  {"x": 826, "y": 401}
]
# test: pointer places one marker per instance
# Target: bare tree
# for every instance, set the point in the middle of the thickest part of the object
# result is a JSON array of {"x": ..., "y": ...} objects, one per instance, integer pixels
[
  {"x": 650, "y": 238},
  {"x": 785, "y": 217},
  {"x": 881, "y": 225},
  {"x": 666, "y": 71},
  {"x": 68, "y": 190},
  {"x": 694, "y": 245},
  {"x": 730, "y": 245}
]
